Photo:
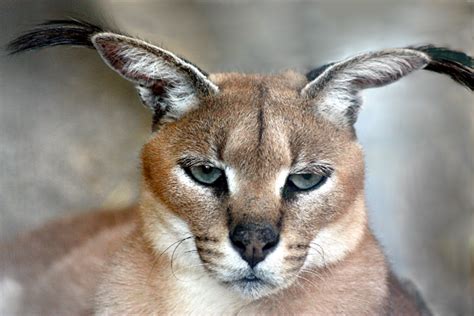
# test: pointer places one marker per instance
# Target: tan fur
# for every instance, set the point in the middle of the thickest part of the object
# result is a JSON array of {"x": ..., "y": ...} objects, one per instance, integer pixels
[
  {"x": 178, "y": 259},
  {"x": 56, "y": 267}
]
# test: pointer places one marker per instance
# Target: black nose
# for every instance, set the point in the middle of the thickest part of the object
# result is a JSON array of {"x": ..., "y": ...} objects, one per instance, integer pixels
[{"x": 254, "y": 241}]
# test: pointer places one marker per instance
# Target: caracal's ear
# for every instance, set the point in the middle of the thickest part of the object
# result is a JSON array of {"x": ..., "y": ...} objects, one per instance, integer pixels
[
  {"x": 167, "y": 84},
  {"x": 335, "y": 88}
]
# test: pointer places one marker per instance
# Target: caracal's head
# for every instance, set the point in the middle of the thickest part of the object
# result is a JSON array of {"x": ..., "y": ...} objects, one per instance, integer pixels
[
  {"x": 263, "y": 185},
  {"x": 250, "y": 180}
]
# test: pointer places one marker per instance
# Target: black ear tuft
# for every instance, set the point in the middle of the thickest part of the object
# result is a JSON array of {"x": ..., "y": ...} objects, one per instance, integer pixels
[
  {"x": 169, "y": 85},
  {"x": 55, "y": 33},
  {"x": 457, "y": 65}
]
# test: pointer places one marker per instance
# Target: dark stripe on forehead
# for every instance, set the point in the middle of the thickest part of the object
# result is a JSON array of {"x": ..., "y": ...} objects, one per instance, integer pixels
[{"x": 262, "y": 95}]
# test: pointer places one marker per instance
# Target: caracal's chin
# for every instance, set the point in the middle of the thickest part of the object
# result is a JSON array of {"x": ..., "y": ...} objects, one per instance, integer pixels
[{"x": 253, "y": 285}]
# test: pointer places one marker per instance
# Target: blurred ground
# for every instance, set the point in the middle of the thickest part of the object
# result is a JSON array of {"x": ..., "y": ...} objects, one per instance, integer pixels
[{"x": 71, "y": 130}]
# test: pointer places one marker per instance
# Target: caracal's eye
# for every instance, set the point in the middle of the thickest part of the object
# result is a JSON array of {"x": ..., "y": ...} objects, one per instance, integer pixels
[
  {"x": 205, "y": 174},
  {"x": 306, "y": 181}
]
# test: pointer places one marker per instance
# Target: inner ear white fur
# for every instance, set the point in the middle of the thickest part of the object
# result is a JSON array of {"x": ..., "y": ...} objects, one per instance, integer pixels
[
  {"x": 167, "y": 84},
  {"x": 336, "y": 91}
]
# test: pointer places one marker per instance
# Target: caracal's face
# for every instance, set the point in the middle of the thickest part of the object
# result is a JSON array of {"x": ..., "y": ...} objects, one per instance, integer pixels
[{"x": 253, "y": 186}]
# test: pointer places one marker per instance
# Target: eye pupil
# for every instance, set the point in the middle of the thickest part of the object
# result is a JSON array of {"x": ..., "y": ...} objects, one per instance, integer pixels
[
  {"x": 207, "y": 169},
  {"x": 307, "y": 176}
]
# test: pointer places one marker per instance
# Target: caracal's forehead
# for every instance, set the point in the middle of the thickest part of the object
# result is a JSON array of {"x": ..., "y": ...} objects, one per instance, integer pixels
[{"x": 257, "y": 123}]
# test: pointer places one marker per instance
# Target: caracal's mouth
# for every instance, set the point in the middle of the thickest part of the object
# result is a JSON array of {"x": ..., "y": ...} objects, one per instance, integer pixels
[{"x": 252, "y": 286}]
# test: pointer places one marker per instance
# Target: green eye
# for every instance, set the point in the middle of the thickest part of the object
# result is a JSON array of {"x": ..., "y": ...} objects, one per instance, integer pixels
[
  {"x": 306, "y": 181},
  {"x": 205, "y": 174}
]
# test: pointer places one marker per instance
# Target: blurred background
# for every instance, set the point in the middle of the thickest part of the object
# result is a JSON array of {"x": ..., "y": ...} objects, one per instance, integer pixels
[{"x": 71, "y": 129}]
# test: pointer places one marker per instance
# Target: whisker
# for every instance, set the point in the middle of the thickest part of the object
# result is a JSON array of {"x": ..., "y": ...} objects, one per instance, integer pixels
[
  {"x": 301, "y": 286},
  {"x": 312, "y": 272},
  {"x": 320, "y": 251},
  {"x": 308, "y": 281},
  {"x": 156, "y": 259},
  {"x": 173, "y": 254},
  {"x": 189, "y": 251}
]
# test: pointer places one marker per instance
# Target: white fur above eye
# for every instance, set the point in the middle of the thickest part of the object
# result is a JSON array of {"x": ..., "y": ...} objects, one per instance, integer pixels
[
  {"x": 232, "y": 180},
  {"x": 281, "y": 180}
]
